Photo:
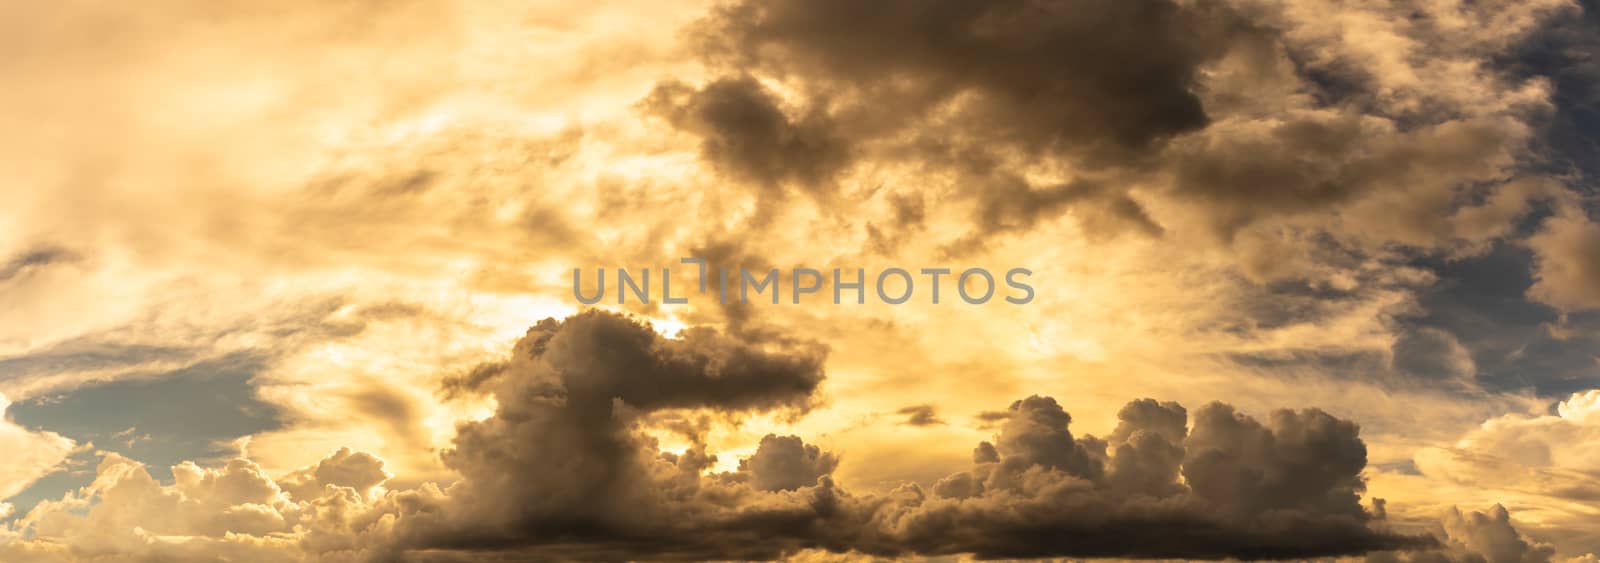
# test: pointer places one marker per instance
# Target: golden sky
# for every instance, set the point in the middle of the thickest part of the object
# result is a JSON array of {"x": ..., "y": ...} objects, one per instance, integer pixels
[{"x": 294, "y": 280}]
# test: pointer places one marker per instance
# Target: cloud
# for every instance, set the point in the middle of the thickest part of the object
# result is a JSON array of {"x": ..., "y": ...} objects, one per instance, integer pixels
[
  {"x": 563, "y": 468},
  {"x": 920, "y": 415},
  {"x": 1522, "y": 447},
  {"x": 30, "y": 454},
  {"x": 1308, "y": 162},
  {"x": 785, "y": 463},
  {"x": 20, "y": 265},
  {"x": 1477, "y": 537},
  {"x": 1316, "y": 147},
  {"x": 575, "y": 391},
  {"x": 1288, "y": 489},
  {"x": 219, "y": 401},
  {"x": 1099, "y": 78},
  {"x": 1491, "y": 535},
  {"x": 1220, "y": 123},
  {"x": 1546, "y": 467},
  {"x": 974, "y": 85},
  {"x": 1567, "y": 267},
  {"x": 561, "y": 460},
  {"x": 748, "y": 136},
  {"x": 1433, "y": 354},
  {"x": 233, "y": 512},
  {"x": 1248, "y": 490},
  {"x": 358, "y": 471}
]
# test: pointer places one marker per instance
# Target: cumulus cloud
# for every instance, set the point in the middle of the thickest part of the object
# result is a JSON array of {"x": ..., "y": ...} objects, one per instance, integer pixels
[
  {"x": 564, "y": 469},
  {"x": 1492, "y": 536},
  {"x": 357, "y": 471},
  {"x": 786, "y": 463},
  {"x": 574, "y": 392},
  {"x": 1549, "y": 465},
  {"x": 1477, "y": 537},
  {"x": 1318, "y": 139},
  {"x": 231, "y": 512},
  {"x": 1290, "y": 487},
  {"x": 561, "y": 459},
  {"x": 1558, "y": 454}
]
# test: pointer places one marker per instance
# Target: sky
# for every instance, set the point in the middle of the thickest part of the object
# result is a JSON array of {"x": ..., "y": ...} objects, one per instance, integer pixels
[{"x": 295, "y": 280}]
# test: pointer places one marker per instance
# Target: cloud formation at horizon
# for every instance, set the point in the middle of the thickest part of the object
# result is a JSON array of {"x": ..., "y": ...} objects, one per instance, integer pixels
[
  {"x": 1312, "y": 278},
  {"x": 562, "y": 470}
]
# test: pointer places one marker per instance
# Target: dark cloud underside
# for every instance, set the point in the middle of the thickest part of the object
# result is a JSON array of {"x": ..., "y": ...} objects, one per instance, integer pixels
[{"x": 561, "y": 470}]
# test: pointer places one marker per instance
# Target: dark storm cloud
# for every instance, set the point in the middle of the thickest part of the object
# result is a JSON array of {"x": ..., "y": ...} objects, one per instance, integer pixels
[
  {"x": 1313, "y": 164},
  {"x": 1110, "y": 92},
  {"x": 561, "y": 463},
  {"x": 1097, "y": 77},
  {"x": 1249, "y": 490},
  {"x": 785, "y": 463},
  {"x": 563, "y": 471},
  {"x": 747, "y": 136},
  {"x": 1100, "y": 85}
]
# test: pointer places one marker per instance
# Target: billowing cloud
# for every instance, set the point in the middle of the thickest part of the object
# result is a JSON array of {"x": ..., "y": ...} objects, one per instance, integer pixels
[
  {"x": 1208, "y": 117},
  {"x": 1546, "y": 467},
  {"x": 1473, "y": 537},
  {"x": 1096, "y": 78},
  {"x": 1491, "y": 535},
  {"x": 563, "y": 469},
  {"x": 231, "y": 512},
  {"x": 357, "y": 471}
]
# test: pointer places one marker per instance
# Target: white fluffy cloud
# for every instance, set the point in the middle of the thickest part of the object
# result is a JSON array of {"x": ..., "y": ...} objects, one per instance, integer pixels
[
  {"x": 233, "y": 512},
  {"x": 1545, "y": 467}
]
